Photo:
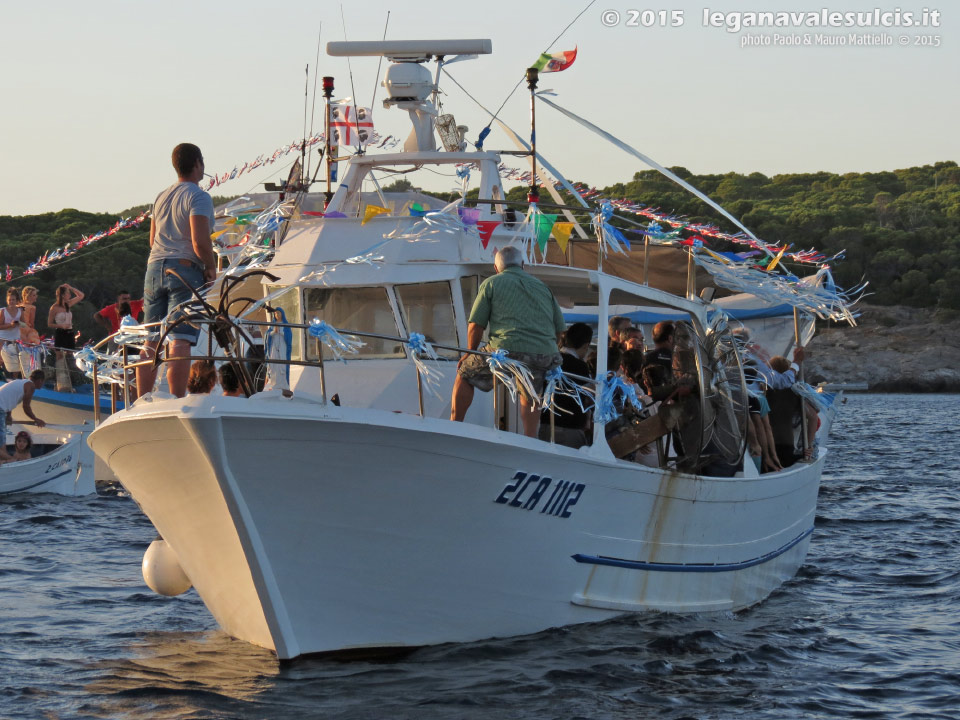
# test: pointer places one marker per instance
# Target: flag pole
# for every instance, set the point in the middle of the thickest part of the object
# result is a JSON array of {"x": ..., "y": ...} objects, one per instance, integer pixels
[
  {"x": 533, "y": 75},
  {"x": 327, "y": 95}
]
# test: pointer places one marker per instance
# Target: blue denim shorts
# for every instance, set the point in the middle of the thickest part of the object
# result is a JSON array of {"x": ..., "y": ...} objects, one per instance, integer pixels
[{"x": 163, "y": 293}]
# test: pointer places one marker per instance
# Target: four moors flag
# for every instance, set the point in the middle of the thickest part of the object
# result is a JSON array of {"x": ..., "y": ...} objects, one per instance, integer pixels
[
  {"x": 350, "y": 125},
  {"x": 555, "y": 62}
]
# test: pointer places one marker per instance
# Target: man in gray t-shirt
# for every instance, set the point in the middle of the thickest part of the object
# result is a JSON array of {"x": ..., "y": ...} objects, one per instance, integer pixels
[{"x": 179, "y": 242}]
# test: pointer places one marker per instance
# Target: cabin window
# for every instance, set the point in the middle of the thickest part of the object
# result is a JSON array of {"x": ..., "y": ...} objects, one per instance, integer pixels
[
  {"x": 289, "y": 302},
  {"x": 428, "y": 308},
  {"x": 468, "y": 288},
  {"x": 364, "y": 309}
]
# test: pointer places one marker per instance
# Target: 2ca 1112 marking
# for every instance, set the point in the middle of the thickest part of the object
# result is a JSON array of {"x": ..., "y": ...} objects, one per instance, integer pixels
[{"x": 530, "y": 492}]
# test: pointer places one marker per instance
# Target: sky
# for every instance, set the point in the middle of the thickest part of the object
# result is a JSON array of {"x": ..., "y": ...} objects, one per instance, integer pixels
[{"x": 97, "y": 93}]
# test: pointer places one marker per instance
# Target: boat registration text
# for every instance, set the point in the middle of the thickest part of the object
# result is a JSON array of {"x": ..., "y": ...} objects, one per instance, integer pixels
[{"x": 526, "y": 492}]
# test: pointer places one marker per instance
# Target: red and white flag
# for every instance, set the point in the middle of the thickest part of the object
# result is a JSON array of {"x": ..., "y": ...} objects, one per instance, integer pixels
[{"x": 350, "y": 125}]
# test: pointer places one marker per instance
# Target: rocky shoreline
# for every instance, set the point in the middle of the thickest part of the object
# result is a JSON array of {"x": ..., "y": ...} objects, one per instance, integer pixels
[{"x": 892, "y": 349}]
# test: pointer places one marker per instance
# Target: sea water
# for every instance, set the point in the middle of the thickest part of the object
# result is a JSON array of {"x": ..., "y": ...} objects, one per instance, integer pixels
[{"x": 869, "y": 628}]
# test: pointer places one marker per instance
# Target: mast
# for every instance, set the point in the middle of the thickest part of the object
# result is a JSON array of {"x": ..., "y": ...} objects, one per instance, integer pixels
[
  {"x": 327, "y": 95},
  {"x": 533, "y": 75}
]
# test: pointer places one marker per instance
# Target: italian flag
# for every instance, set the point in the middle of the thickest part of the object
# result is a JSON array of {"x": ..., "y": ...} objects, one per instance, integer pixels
[{"x": 555, "y": 62}]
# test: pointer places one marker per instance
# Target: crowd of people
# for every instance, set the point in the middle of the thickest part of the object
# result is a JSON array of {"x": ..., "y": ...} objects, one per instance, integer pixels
[{"x": 521, "y": 316}]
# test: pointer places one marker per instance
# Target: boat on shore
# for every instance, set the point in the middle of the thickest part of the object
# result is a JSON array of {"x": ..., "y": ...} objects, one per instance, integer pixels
[{"x": 309, "y": 525}]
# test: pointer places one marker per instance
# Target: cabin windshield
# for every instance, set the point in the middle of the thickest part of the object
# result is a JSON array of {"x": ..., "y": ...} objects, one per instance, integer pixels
[
  {"x": 364, "y": 309},
  {"x": 427, "y": 308}
]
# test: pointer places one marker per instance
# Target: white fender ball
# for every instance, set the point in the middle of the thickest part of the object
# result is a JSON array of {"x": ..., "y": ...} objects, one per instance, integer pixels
[{"x": 162, "y": 571}]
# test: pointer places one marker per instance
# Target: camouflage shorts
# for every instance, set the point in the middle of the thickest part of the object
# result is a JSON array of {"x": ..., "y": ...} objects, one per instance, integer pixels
[{"x": 476, "y": 371}]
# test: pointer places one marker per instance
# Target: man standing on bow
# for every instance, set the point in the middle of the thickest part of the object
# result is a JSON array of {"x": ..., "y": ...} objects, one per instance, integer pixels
[
  {"x": 525, "y": 320},
  {"x": 179, "y": 241}
]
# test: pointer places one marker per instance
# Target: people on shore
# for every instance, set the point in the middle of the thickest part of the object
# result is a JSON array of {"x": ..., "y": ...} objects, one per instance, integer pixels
[
  {"x": 60, "y": 318},
  {"x": 179, "y": 241},
  {"x": 110, "y": 317},
  {"x": 525, "y": 320},
  {"x": 10, "y": 318},
  {"x": 28, "y": 302}
]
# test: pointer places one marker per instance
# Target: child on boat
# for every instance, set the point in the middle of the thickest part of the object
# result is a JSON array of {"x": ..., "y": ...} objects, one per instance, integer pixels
[{"x": 22, "y": 446}]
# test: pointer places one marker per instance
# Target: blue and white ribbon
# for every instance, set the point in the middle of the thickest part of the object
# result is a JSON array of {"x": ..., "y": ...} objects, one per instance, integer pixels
[
  {"x": 420, "y": 349},
  {"x": 558, "y": 384},
  {"x": 613, "y": 395},
  {"x": 813, "y": 295},
  {"x": 612, "y": 238},
  {"x": 514, "y": 375},
  {"x": 433, "y": 225},
  {"x": 109, "y": 367},
  {"x": 328, "y": 335},
  {"x": 821, "y": 401},
  {"x": 132, "y": 333}
]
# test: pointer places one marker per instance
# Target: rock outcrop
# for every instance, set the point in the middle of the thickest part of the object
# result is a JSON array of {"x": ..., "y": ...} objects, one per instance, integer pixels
[{"x": 892, "y": 349}]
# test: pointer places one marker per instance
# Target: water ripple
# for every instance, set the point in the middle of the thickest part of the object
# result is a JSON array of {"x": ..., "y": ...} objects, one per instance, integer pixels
[{"x": 869, "y": 627}]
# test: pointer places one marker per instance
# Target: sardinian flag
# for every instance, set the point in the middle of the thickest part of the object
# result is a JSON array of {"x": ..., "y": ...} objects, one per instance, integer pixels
[
  {"x": 555, "y": 62},
  {"x": 350, "y": 125}
]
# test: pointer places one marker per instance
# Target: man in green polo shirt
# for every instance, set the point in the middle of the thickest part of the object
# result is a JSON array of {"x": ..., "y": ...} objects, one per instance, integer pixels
[{"x": 525, "y": 320}]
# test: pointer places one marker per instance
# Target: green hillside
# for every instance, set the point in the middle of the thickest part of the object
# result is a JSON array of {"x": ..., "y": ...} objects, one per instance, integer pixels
[{"x": 900, "y": 230}]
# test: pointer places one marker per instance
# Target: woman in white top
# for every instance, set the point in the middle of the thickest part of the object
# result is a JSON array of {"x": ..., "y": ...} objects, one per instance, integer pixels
[
  {"x": 31, "y": 355},
  {"x": 60, "y": 317},
  {"x": 10, "y": 317}
]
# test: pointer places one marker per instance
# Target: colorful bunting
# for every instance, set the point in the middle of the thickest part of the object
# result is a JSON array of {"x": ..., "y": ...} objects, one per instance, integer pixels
[
  {"x": 773, "y": 263},
  {"x": 372, "y": 211},
  {"x": 52, "y": 256},
  {"x": 543, "y": 224},
  {"x": 366, "y": 127},
  {"x": 486, "y": 228},
  {"x": 561, "y": 231}
]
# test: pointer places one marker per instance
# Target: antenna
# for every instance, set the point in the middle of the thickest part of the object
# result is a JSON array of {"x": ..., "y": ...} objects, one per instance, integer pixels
[
  {"x": 353, "y": 92},
  {"x": 313, "y": 102},
  {"x": 303, "y": 142},
  {"x": 373, "y": 100}
]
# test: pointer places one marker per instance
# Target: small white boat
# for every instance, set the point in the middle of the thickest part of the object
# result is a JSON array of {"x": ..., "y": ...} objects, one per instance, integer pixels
[
  {"x": 311, "y": 526},
  {"x": 62, "y": 463}
]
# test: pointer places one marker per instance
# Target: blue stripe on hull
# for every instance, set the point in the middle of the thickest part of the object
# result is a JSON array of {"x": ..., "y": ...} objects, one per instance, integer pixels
[
  {"x": 76, "y": 401},
  {"x": 689, "y": 567}
]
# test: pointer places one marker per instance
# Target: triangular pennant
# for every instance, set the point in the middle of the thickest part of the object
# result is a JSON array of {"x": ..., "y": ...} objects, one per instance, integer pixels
[
  {"x": 486, "y": 228},
  {"x": 543, "y": 224},
  {"x": 773, "y": 263},
  {"x": 561, "y": 231},
  {"x": 469, "y": 216},
  {"x": 372, "y": 211}
]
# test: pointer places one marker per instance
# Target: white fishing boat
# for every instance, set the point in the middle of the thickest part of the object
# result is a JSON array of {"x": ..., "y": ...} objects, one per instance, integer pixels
[
  {"x": 308, "y": 525},
  {"x": 61, "y": 462}
]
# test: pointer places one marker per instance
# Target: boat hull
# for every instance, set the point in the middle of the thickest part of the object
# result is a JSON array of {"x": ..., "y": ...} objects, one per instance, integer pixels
[
  {"x": 73, "y": 408},
  {"x": 65, "y": 470},
  {"x": 396, "y": 531}
]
